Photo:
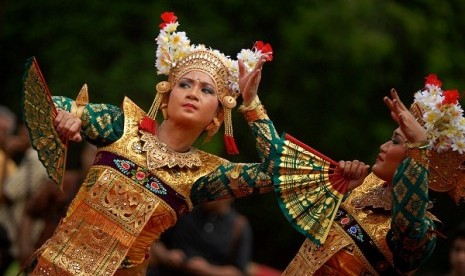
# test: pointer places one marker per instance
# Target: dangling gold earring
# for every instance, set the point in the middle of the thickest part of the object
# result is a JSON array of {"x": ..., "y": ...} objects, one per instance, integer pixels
[
  {"x": 162, "y": 88},
  {"x": 214, "y": 126},
  {"x": 228, "y": 104}
]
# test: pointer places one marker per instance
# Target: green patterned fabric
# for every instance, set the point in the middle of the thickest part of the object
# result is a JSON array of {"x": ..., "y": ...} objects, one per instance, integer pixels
[
  {"x": 102, "y": 124},
  {"x": 39, "y": 114},
  {"x": 308, "y": 189},
  {"x": 411, "y": 238},
  {"x": 252, "y": 178}
]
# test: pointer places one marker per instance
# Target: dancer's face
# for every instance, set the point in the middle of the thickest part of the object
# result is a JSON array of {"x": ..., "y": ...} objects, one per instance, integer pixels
[
  {"x": 391, "y": 155},
  {"x": 193, "y": 100}
]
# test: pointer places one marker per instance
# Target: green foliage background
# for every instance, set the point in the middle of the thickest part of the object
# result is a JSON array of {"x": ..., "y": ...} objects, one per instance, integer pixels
[{"x": 334, "y": 61}]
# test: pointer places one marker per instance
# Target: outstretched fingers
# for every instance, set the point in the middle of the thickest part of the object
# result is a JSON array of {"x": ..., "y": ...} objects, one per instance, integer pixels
[
  {"x": 260, "y": 63},
  {"x": 396, "y": 98}
]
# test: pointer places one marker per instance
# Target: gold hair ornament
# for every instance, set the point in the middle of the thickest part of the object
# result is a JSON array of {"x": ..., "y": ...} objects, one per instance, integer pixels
[
  {"x": 175, "y": 57},
  {"x": 439, "y": 111}
]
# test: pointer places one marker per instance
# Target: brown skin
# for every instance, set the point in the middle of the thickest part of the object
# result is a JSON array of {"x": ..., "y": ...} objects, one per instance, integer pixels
[
  {"x": 393, "y": 152},
  {"x": 192, "y": 105},
  {"x": 182, "y": 133},
  {"x": 391, "y": 155}
]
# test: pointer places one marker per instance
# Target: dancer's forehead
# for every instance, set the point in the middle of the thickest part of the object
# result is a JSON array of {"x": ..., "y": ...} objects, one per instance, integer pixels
[{"x": 196, "y": 75}]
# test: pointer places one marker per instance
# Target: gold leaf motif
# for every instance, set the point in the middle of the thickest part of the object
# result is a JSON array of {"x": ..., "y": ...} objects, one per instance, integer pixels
[{"x": 159, "y": 155}]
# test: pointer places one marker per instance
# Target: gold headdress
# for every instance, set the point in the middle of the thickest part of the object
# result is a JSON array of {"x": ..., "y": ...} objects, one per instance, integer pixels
[
  {"x": 441, "y": 114},
  {"x": 175, "y": 57}
]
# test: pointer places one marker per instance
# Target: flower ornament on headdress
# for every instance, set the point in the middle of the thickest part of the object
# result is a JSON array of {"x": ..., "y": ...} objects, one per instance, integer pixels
[
  {"x": 442, "y": 116},
  {"x": 439, "y": 111},
  {"x": 176, "y": 56}
]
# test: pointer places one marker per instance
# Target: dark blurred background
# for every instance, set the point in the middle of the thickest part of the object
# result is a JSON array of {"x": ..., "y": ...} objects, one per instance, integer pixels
[{"x": 333, "y": 63}]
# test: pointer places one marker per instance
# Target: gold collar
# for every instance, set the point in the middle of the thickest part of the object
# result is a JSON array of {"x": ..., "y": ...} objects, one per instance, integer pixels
[
  {"x": 377, "y": 197},
  {"x": 160, "y": 155}
]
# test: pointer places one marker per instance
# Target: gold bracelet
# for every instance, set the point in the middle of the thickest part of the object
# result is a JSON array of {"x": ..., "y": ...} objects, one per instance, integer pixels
[
  {"x": 418, "y": 145},
  {"x": 251, "y": 106},
  {"x": 258, "y": 113}
]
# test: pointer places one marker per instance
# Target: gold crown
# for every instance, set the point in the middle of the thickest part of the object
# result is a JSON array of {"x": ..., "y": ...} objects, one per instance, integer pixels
[
  {"x": 175, "y": 57},
  {"x": 446, "y": 167},
  {"x": 209, "y": 63}
]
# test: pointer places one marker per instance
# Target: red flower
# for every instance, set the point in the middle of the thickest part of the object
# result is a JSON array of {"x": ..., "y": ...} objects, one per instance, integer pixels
[
  {"x": 265, "y": 48},
  {"x": 432, "y": 79},
  {"x": 450, "y": 96},
  {"x": 168, "y": 17}
]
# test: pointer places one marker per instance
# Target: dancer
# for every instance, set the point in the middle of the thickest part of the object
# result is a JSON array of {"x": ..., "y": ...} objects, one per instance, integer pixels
[{"x": 383, "y": 226}]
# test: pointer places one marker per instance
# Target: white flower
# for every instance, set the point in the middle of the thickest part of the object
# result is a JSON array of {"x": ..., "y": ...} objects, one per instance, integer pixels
[
  {"x": 459, "y": 146},
  {"x": 444, "y": 123},
  {"x": 172, "y": 46},
  {"x": 249, "y": 57},
  {"x": 171, "y": 27}
]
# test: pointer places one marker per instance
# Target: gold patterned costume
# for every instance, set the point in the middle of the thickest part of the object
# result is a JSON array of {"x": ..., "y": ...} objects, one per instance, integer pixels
[
  {"x": 137, "y": 186},
  {"x": 378, "y": 230},
  {"x": 136, "y": 189}
]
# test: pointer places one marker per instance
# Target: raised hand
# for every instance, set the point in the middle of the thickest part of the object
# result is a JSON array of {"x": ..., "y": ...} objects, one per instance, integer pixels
[
  {"x": 354, "y": 171},
  {"x": 68, "y": 126},
  {"x": 412, "y": 130},
  {"x": 248, "y": 82}
]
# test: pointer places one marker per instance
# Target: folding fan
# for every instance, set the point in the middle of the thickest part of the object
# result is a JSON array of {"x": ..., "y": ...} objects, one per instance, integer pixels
[
  {"x": 309, "y": 188},
  {"x": 39, "y": 114}
]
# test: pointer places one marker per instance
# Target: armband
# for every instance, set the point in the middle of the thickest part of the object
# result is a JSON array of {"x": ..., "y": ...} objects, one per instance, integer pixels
[
  {"x": 419, "y": 151},
  {"x": 254, "y": 111}
]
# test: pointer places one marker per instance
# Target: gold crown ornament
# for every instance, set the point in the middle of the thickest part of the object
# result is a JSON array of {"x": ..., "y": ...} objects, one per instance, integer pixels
[
  {"x": 175, "y": 57},
  {"x": 440, "y": 113}
]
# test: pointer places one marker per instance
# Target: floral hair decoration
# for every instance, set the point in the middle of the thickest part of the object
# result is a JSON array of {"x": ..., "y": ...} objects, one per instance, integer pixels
[
  {"x": 442, "y": 116},
  {"x": 439, "y": 111},
  {"x": 176, "y": 56}
]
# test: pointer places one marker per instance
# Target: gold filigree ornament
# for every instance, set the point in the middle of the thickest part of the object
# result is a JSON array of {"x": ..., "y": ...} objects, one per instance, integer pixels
[
  {"x": 160, "y": 155},
  {"x": 442, "y": 116},
  {"x": 162, "y": 89},
  {"x": 378, "y": 197},
  {"x": 176, "y": 56}
]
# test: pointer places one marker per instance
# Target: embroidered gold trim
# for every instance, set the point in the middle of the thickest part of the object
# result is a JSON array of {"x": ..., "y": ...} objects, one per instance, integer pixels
[
  {"x": 421, "y": 155},
  {"x": 375, "y": 222},
  {"x": 255, "y": 114},
  {"x": 252, "y": 105},
  {"x": 160, "y": 155},
  {"x": 378, "y": 197},
  {"x": 312, "y": 257}
]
